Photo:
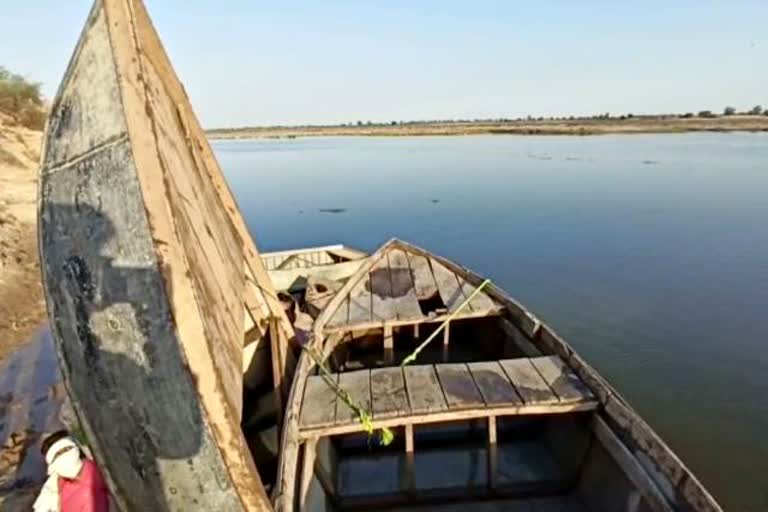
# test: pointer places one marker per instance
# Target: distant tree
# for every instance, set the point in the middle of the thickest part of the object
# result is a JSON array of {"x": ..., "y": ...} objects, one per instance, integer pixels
[
  {"x": 393, "y": 123},
  {"x": 706, "y": 114},
  {"x": 359, "y": 123},
  {"x": 729, "y": 111},
  {"x": 630, "y": 116},
  {"x": 687, "y": 115},
  {"x": 756, "y": 110},
  {"x": 21, "y": 99}
]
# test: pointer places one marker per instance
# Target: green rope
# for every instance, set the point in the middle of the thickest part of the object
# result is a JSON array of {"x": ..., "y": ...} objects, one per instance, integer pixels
[{"x": 412, "y": 356}]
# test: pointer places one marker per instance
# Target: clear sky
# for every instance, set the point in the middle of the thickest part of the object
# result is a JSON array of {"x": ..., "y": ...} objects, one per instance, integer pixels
[{"x": 259, "y": 63}]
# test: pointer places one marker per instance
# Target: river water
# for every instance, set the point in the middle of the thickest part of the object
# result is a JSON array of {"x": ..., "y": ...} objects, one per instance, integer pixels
[{"x": 648, "y": 253}]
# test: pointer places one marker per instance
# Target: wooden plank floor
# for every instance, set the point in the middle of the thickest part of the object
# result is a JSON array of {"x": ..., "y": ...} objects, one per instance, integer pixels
[{"x": 444, "y": 392}]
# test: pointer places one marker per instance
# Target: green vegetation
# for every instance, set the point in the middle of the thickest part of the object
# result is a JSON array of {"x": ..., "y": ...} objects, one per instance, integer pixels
[
  {"x": 729, "y": 111},
  {"x": 22, "y": 100},
  {"x": 756, "y": 110}
]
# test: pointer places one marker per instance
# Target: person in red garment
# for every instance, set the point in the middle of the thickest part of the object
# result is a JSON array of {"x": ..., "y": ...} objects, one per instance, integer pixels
[{"x": 75, "y": 483}]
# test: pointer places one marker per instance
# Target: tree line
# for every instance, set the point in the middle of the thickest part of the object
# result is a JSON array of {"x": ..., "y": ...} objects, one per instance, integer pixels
[{"x": 706, "y": 114}]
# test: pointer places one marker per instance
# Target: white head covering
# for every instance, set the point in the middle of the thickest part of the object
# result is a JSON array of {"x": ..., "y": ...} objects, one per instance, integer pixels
[{"x": 67, "y": 464}]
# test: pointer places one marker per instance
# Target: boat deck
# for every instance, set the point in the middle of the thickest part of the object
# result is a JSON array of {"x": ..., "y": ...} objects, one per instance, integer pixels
[
  {"x": 443, "y": 392},
  {"x": 402, "y": 285}
]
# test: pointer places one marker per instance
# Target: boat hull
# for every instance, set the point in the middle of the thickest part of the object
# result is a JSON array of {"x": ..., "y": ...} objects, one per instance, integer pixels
[{"x": 144, "y": 274}]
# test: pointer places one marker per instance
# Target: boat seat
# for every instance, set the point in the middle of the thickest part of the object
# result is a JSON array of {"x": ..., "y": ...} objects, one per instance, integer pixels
[{"x": 434, "y": 393}]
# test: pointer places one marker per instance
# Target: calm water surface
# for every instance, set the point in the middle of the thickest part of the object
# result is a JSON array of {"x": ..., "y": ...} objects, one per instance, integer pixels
[{"x": 648, "y": 253}]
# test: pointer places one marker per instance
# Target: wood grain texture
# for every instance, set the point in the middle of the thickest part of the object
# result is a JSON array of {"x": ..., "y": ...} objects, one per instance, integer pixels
[
  {"x": 360, "y": 303},
  {"x": 423, "y": 279},
  {"x": 528, "y": 383},
  {"x": 448, "y": 285},
  {"x": 341, "y": 315},
  {"x": 319, "y": 404},
  {"x": 388, "y": 393},
  {"x": 458, "y": 386},
  {"x": 358, "y": 385},
  {"x": 424, "y": 392},
  {"x": 403, "y": 291},
  {"x": 561, "y": 379},
  {"x": 493, "y": 384},
  {"x": 382, "y": 301}
]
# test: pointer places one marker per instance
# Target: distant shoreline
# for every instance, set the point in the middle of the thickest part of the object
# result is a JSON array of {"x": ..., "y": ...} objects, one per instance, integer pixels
[{"x": 604, "y": 126}]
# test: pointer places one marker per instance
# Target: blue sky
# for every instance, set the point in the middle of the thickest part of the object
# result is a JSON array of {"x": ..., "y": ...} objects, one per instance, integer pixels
[{"x": 256, "y": 63}]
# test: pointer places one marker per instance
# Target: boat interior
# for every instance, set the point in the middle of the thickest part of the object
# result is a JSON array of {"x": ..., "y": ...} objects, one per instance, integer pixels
[
  {"x": 305, "y": 280},
  {"x": 485, "y": 417}
]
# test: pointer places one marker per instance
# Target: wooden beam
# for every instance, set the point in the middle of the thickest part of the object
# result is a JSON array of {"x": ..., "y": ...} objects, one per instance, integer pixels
[
  {"x": 389, "y": 344},
  {"x": 307, "y": 471},
  {"x": 277, "y": 365},
  {"x": 631, "y": 466},
  {"x": 491, "y": 429},
  {"x": 409, "y": 438},
  {"x": 493, "y": 454},
  {"x": 446, "y": 340}
]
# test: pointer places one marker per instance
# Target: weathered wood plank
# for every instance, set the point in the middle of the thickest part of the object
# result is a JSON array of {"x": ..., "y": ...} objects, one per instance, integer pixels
[
  {"x": 528, "y": 383},
  {"x": 424, "y": 392},
  {"x": 481, "y": 301},
  {"x": 360, "y": 303},
  {"x": 403, "y": 291},
  {"x": 493, "y": 384},
  {"x": 423, "y": 279},
  {"x": 448, "y": 285},
  {"x": 388, "y": 393},
  {"x": 561, "y": 379},
  {"x": 454, "y": 415},
  {"x": 382, "y": 302},
  {"x": 358, "y": 385},
  {"x": 458, "y": 386},
  {"x": 630, "y": 465},
  {"x": 318, "y": 408},
  {"x": 341, "y": 316}
]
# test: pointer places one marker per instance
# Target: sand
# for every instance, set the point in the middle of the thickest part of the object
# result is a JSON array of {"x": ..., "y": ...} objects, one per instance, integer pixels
[{"x": 22, "y": 308}]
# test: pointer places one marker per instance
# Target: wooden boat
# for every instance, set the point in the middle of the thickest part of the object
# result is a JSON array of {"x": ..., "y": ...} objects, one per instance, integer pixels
[
  {"x": 290, "y": 270},
  {"x": 34, "y": 402},
  {"x": 499, "y": 413},
  {"x": 151, "y": 277}
]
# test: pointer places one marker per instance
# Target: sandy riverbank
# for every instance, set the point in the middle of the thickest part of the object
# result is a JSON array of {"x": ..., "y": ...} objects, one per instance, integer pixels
[
  {"x": 646, "y": 124},
  {"x": 22, "y": 308}
]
